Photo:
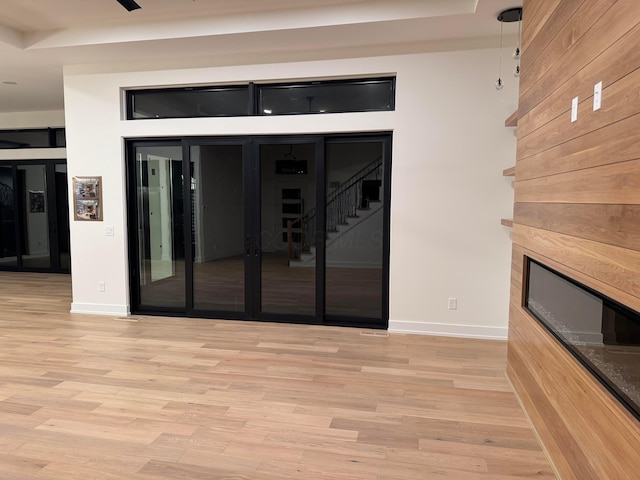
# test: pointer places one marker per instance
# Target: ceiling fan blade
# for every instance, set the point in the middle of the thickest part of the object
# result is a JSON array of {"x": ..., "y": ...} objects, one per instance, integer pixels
[{"x": 129, "y": 4}]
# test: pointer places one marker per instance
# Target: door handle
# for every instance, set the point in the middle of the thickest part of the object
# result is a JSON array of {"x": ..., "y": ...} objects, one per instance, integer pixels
[
  {"x": 256, "y": 245},
  {"x": 247, "y": 245}
]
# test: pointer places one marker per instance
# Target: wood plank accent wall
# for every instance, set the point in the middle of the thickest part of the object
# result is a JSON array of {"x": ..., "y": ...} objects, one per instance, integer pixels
[{"x": 577, "y": 210}]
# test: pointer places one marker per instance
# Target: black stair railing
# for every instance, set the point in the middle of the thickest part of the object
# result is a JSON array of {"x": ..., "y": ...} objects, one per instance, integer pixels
[{"x": 343, "y": 203}]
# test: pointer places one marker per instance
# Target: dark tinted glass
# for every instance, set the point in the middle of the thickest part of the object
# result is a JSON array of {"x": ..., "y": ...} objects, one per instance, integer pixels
[
  {"x": 287, "y": 232},
  {"x": 189, "y": 103},
  {"x": 61, "y": 139},
  {"x": 160, "y": 223},
  {"x": 354, "y": 229},
  {"x": 604, "y": 335},
  {"x": 8, "y": 218},
  {"x": 32, "y": 192},
  {"x": 218, "y": 216},
  {"x": 24, "y": 138},
  {"x": 326, "y": 97}
]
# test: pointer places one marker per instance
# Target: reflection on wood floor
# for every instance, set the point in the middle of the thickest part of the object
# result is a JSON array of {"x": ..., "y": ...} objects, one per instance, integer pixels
[
  {"x": 219, "y": 285},
  {"x": 154, "y": 398}
]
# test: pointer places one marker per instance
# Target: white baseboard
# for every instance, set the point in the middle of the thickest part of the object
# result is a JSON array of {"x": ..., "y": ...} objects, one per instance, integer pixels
[
  {"x": 446, "y": 330},
  {"x": 100, "y": 309}
]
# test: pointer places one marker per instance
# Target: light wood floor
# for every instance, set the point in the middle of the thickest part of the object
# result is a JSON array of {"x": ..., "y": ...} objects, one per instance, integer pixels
[{"x": 95, "y": 397}]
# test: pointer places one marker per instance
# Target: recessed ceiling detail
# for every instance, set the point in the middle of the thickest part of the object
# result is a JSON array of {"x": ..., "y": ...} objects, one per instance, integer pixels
[{"x": 38, "y": 39}]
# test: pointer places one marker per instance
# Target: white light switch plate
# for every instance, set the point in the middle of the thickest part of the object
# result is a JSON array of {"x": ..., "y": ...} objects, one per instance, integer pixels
[
  {"x": 574, "y": 109},
  {"x": 597, "y": 96}
]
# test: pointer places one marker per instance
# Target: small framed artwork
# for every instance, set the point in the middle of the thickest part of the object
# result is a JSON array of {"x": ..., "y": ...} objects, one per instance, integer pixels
[
  {"x": 36, "y": 201},
  {"x": 88, "y": 198}
]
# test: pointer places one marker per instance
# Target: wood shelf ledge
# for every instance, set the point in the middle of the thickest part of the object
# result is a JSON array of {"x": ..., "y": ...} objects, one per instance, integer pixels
[
  {"x": 512, "y": 120},
  {"x": 507, "y": 222},
  {"x": 509, "y": 172}
]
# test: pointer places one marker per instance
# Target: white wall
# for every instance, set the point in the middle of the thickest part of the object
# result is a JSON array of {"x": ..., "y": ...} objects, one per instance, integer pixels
[
  {"x": 447, "y": 198},
  {"x": 39, "y": 119}
]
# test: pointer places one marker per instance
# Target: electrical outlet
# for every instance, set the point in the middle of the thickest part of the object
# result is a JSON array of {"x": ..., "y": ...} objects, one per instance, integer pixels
[
  {"x": 101, "y": 286},
  {"x": 108, "y": 231},
  {"x": 453, "y": 303}
]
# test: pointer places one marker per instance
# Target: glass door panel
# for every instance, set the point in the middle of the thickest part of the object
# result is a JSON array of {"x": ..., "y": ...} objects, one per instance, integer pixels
[
  {"x": 246, "y": 208},
  {"x": 287, "y": 228},
  {"x": 160, "y": 226},
  {"x": 8, "y": 218},
  {"x": 355, "y": 229},
  {"x": 34, "y": 238},
  {"x": 218, "y": 227}
]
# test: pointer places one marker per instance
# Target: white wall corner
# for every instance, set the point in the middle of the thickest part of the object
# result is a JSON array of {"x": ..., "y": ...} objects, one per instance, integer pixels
[
  {"x": 448, "y": 330},
  {"x": 100, "y": 309}
]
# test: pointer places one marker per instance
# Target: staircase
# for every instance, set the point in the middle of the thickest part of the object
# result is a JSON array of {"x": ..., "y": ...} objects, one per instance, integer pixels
[{"x": 347, "y": 206}]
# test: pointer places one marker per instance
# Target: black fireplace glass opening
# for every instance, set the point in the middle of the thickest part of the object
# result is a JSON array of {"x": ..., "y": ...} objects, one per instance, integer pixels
[{"x": 603, "y": 334}]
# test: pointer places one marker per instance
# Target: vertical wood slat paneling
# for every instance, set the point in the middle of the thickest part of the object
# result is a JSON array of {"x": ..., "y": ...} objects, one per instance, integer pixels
[
  {"x": 597, "y": 284},
  {"x": 618, "y": 227},
  {"x": 620, "y": 100},
  {"x": 590, "y": 29},
  {"x": 578, "y": 411},
  {"x": 615, "y": 266},
  {"x": 604, "y": 146},
  {"x": 569, "y": 410},
  {"x": 538, "y": 12},
  {"x": 614, "y": 183},
  {"x": 556, "y": 24},
  {"x": 578, "y": 211},
  {"x": 617, "y": 61}
]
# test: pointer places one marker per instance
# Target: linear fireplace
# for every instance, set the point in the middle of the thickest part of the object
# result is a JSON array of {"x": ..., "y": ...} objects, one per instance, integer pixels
[{"x": 602, "y": 334}]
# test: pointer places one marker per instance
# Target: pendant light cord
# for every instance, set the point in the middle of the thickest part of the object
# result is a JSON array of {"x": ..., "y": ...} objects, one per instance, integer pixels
[
  {"x": 500, "y": 57},
  {"x": 519, "y": 31}
]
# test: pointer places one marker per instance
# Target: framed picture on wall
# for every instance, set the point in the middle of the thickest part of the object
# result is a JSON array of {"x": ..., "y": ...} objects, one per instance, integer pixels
[
  {"x": 36, "y": 201},
  {"x": 88, "y": 198}
]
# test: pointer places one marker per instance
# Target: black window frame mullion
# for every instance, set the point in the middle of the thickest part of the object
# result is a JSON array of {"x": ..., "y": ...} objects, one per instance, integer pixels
[
  {"x": 321, "y": 226},
  {"x": 130, "y": 101},
  {"x": 252, "y": 108},
  {"x": 52, "y": 213},
  {"x": 187, "y": 225},
  {"x": 17, "y": 229}
]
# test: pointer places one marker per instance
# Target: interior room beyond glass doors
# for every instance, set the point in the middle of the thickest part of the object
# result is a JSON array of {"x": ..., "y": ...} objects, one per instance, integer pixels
[
  {"x": 291, "y": 229},
  {"x": 34, "y": 216}
]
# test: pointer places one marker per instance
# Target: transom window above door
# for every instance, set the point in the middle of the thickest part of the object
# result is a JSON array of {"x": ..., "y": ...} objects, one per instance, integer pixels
[{"x": 290, "y": 98}]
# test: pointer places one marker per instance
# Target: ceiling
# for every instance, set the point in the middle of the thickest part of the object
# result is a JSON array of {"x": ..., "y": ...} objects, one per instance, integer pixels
[{"x": 39, "y": 37}]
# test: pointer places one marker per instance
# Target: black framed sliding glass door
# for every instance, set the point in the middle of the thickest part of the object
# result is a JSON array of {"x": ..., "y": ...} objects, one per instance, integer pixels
[
  {"x": 286, "y": 228},
  {"x": 34, "y": 216},
  {"x": 357, "y": 218},
  {"x": 157, "y": 198},
  {"x": 218, "y": 228},
  {"x": 285, "y": 204}
]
